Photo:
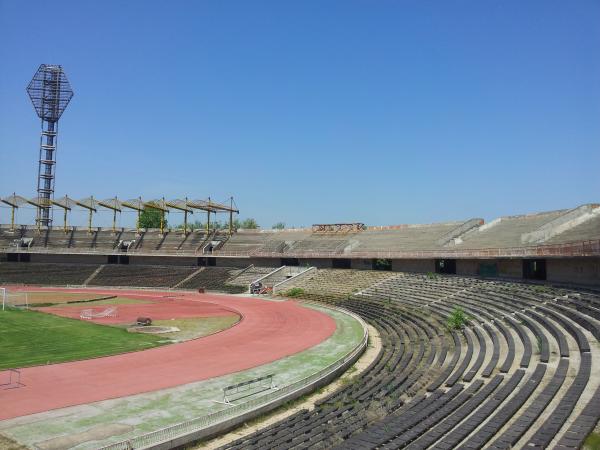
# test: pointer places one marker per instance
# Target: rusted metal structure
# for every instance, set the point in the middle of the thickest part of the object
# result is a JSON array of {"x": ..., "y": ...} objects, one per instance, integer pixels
[
  {"x": 91, "y": 204},
  {"x": 50, "y": 92},
  {"x": 338, "y": 228}
]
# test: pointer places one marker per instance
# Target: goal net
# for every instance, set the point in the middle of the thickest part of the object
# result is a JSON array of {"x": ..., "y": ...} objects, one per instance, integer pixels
[{"x": 13, "y": 299}]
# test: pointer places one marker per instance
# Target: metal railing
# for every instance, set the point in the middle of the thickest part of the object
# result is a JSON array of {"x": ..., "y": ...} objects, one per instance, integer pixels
[
  {"x": 279, "y": 286},
  {"x": 195, "y": 425},
  {"x": 581, "y": 248}
]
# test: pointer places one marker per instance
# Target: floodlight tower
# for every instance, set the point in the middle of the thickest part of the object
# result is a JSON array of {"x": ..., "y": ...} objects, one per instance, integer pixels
[{"x": 50, "y": 93}]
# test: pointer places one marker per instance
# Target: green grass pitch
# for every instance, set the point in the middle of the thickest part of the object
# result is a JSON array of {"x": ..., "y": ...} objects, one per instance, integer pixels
[{"x": 30, "y": 338}]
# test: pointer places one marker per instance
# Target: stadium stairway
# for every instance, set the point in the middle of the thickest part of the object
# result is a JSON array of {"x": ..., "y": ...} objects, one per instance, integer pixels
[
  {"x": 94, "y": 274},
  {"x": 214, "y": 279},
  {"x": 248, "y": 276}
]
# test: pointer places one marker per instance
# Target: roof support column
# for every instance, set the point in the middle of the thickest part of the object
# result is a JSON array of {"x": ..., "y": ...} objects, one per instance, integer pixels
[
  {"x": 138, "y": 219},
  {"x": 90, "y": 215},
  {"x": 185, "y": 213},
  {"x": 208, "y": 219},
  {"x": 231, "y": 216},
  {"x": 162, "y": 216}
]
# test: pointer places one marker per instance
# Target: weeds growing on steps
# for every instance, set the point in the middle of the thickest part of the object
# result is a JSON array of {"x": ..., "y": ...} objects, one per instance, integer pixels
[{"x": 458, "y": 319}]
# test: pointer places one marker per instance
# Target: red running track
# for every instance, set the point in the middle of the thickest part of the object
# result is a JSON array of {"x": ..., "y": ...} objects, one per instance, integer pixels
[{"x": 268, "y": 331}]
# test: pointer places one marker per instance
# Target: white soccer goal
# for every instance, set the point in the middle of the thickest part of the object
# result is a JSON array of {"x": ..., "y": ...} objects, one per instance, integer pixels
[
  {"x": 13, "y": 299},
  {"x": 90, "y": 314}
]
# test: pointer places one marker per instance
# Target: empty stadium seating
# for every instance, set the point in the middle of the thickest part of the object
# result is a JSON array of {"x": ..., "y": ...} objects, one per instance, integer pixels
[
  {"x": 506, "y": 231},
  {"x": 9, "y": 237},
  {"x": 512, "y": 378},
  {"x": 410, "y": 237},
  {"x": 246, "y": 241},
  {"x": 45, "y": 274},
  {"x": 548, "y": 228},
  {"x": 335, "y": 284},
  {"x": 142, "y": 276},
  {"x": 226, "y": 279},
  {"x": 584, "y": 231}
]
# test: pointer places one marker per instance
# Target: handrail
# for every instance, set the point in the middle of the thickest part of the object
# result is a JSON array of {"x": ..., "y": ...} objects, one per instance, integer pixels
[
  {"x": 270, "y": 273},
  {"x": 279, "y": 285},
  {"x": 197, "y": 424},
  {"x": 580, "y": 248}
]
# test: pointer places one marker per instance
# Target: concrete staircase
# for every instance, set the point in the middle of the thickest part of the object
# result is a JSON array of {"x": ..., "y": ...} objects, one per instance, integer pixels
[{"x": 94, "y": 275}]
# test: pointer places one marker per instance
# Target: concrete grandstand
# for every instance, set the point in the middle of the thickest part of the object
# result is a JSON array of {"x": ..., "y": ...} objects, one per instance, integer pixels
[{"x": 558, "y": 246}]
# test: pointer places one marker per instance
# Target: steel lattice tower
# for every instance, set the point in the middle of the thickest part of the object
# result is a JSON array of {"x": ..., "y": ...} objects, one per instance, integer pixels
[{"x": 50, "y": 93}]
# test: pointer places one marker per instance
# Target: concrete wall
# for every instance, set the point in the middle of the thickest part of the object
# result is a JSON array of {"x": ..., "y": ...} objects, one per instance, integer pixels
[
  {"x": 264, "y": 262},
  {"x": 468, "y": 267},
  {"x": 574, "y": 270},
  {"x": 233, "y": 262},
  {"x": 510, "y": 268},
  {"x": 324, "y": 263},
  {"x": 361, "y": 264},
  {"x": 582, "y": 270},
  {"x": 162, "y": 260},
  {"x": 71, "y": 259},
  {"x": 413, "y": 265}
]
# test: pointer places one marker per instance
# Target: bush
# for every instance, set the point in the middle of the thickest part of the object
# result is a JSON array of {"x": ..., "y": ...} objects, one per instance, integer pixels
[
  {"x": 294, "y": 292},
  {"x": 458, "y": 319},
  {"x": 592, "y": 442},
  {"x": 541, "y": 289}
]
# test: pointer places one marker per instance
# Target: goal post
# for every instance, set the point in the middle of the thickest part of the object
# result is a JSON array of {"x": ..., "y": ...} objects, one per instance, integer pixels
[{"x": 12, "y": 299}]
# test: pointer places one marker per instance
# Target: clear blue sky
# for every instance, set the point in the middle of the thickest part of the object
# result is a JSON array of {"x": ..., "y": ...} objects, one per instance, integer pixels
[{"x": 313, "y": 111}]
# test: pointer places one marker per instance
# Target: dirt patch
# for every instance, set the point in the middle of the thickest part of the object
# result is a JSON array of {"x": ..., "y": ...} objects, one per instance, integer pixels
[
  {"x": 60, "y": 297},
  {"x": 153, "y": 329},
  {"x": 157, "y": 310},
  {"x": 196, "y": 327},
  {"x": 9, "y": 444}
]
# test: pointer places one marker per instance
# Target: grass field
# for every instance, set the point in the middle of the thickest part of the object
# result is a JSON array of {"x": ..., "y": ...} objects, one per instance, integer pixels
[
  {"x": 60, "y": 297},
  {"x": 29, "y": 338},
  {"x": 195, "y": 327}
]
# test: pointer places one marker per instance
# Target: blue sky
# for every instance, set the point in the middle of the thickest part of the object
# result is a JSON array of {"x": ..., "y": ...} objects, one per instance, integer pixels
[{"x": 313, "y": 111}]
